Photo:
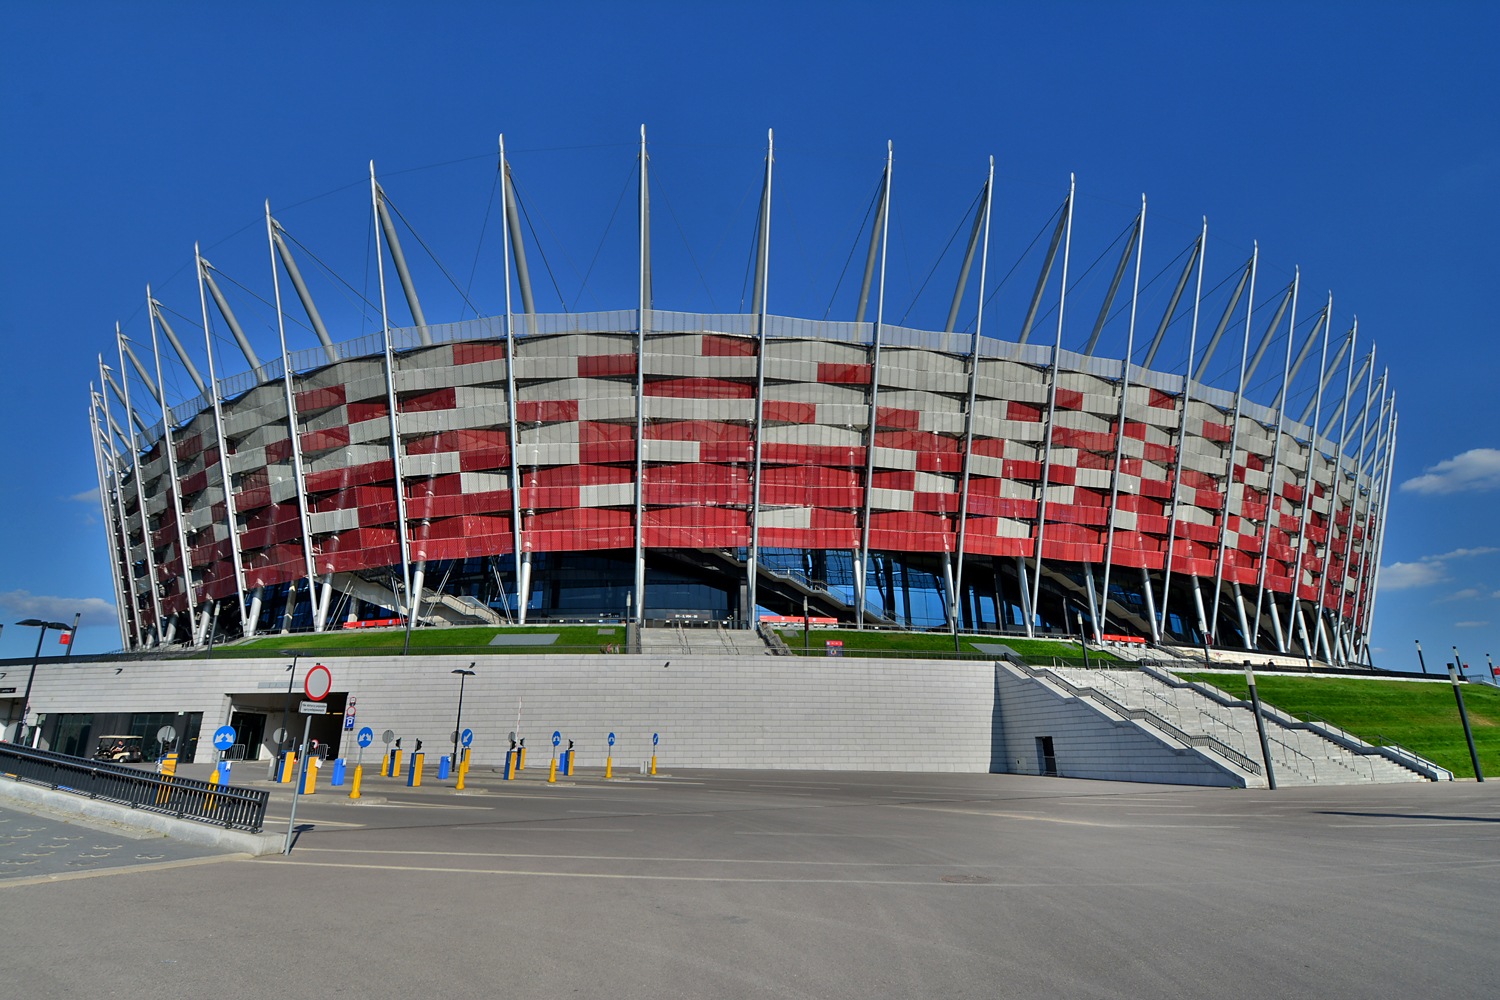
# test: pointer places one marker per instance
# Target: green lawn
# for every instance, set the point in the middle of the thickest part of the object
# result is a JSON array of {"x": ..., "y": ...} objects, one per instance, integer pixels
[
  {"x": 358, "y": 640},
  {"x": 1421, "y": 717},
  {"x": 934, "y": 642}
]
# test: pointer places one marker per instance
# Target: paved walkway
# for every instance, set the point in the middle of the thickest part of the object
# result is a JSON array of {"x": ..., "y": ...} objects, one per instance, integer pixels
[
  {"x": 34, "y": 845},
  {"x": 730, "y": 884}
]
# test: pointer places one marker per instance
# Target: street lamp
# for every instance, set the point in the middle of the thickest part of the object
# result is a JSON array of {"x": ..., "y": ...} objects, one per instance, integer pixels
[
  {"x": 26, "y": 700},
  {"x": 286, "y": 713},
  {"x": 463, "y": 675}
]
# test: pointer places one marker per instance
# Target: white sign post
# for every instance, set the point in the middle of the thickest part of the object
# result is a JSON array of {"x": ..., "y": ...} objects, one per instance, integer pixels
[{"x": 317, "y": 684}]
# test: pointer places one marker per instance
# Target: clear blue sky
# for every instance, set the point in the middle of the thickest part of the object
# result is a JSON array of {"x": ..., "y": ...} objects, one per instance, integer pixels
[{"x": 1358, "y": 142}]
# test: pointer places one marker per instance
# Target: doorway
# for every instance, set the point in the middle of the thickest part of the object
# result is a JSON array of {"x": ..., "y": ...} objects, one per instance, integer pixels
[
  {"x": 72, "y": 734},
  {"x": 249, "y": 731}
]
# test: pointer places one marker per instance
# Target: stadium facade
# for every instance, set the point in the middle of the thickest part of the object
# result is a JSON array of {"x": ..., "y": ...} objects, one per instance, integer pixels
[{"x": 653, "y": 465}]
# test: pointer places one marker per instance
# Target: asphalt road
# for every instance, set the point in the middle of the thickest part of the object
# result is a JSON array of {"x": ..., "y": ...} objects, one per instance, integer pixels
[{"x": 801, "y": 884}]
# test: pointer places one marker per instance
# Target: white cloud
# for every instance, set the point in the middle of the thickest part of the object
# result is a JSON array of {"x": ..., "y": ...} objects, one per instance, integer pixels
[
  {"x": 1476, "y": 469},
  {"x": 87, "y": 496},
  {"x": 24, "y": 604},
  {"x": 1429, "y": 570},
  {"x": 1470, "y": 624},
  {"x": 1404, "y": 576},
  {"x": 1462, "y": 554},
  {"x": 1467, "y": 594}
]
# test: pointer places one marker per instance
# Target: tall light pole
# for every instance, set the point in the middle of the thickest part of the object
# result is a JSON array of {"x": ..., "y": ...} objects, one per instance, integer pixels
[
  {"x": 286, "y": 713},
  {"x": 1454, "y": 669},
  {"x": 26, "y": 699},
  {"x": 463, "y": 675}
]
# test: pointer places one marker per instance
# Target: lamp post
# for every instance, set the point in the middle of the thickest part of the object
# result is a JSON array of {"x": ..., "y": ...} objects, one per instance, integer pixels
[
  {"x": 26, "y": 699},
  {"x": 1463, "y": 715},
  {"x": 463, "y": 675},
  {"x": 1260, "y": 726},
  {"x": 286, "y": 713}
]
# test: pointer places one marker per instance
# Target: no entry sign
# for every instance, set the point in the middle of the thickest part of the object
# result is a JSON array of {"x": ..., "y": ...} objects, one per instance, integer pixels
[{"x": 318, "y": 683}]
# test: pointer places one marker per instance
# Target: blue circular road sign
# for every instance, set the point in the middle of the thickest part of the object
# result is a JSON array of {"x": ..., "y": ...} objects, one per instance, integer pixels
[
  {"x": 467, "y": 737},
  {"x": 556, "y": 738},
  {"x": 366, "y": 736},
  {"x": 611, "y": 739},
  {"x": 655, "y": 738},
  {"x": 224, "y": 737}
]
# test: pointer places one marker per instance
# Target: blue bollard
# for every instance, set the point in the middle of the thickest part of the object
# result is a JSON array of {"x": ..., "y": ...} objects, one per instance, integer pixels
[
  {"x": 338, "y": 772},
  {"x": 223, "y": 770},
  {"x": 414, "y": 771},
  {"x": 443, "y": 766}
]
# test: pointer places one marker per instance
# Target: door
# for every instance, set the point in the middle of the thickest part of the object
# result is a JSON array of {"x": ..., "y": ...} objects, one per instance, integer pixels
[
  {"x": 72, "y": 735},
  {"x": 249, "y": 732}
]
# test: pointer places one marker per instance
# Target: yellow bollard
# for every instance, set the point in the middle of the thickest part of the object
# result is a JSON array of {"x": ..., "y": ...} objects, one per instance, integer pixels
[
  {"x": 521, "y": 759},
  {"x": 385, "y": 763},
  {"x": 609, "y": 767},
  {"x": 552, "y": 778},
  {"x": 213, "y": 779},
  {"x": 358, "y": 773},
  {"x": 289, "y": 768},
  {"x": 395, "y": 763},
  {"x": 653, "y": 763},
  {"x": 310, "y": 781},
  {"x": 461, "y": 771}
]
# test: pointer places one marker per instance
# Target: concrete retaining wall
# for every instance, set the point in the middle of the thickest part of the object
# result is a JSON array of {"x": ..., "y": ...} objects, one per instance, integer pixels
[
  {"x": 772, "y": 712},
  {"x": 1087, "y": 742}
]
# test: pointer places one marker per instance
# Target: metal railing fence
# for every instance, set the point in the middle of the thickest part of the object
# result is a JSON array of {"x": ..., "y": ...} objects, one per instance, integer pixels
[{"x": 229, "y": 806}]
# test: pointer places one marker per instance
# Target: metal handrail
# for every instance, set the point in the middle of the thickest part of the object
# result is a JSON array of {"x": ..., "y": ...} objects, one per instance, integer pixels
[
  {"x": 1215, "y": 744},
  {"x": 1393, "y": 752},
  {"x": 229, "y": 806}
]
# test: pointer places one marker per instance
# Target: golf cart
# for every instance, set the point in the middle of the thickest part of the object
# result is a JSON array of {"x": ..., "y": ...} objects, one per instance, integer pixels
[{"x": 119, "y": 749}]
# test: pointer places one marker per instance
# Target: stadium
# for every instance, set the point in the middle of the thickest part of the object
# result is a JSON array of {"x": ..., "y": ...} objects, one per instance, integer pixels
[{"x": 650, "y": 466}]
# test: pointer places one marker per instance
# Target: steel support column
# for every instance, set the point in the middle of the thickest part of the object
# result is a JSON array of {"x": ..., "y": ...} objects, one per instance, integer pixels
[
  {"x": 644, "y": 245},
  {"x": 963, "y": 488},
  {"x": 1181, "y": 439},
  {"x": 227, "y": 476},
  {"x": 115, "y": 562},
  {"x": 127, "y": 564},
  {"x": 1338, "y": 485},
  {"x": 874, "y": 415},
  {"x": 1039, "y": 538},
  {"x": 1308, "y": 481},
  {"x": 1114, "y": 475},
  {"x": 513, "y": 429},
  {"x": 1273, "y": 490},
  {"x": 390, "y": 395},
  {"x": 166, "y": 429},
  {"x": 758, "y": 306},
  {"x": 1234, "y": 441},
  {"x": 140, "y": 493},
  {"x": 293, "y": 432}
]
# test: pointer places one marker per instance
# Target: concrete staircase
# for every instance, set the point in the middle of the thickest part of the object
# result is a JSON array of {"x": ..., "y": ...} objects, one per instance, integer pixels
[
  {"x": 1302, "y": 752},
  {"x": 716, "y": 641}
]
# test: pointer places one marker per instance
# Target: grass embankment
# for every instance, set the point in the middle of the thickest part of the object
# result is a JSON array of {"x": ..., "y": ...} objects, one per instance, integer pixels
[
  {"x": 478, "y": 637},
  {"x": 1421, "y": 717},
  {"x": 933, "y": 642}
]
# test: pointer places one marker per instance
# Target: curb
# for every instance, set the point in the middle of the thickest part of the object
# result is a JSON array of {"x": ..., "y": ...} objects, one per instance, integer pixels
[{"x": 14, "y": 793}]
